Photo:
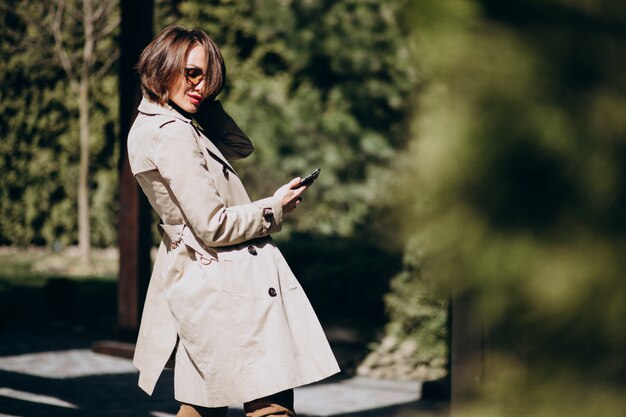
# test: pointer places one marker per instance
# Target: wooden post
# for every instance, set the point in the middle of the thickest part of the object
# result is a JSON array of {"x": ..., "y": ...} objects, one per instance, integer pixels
[{"x": 135, "y": 238}]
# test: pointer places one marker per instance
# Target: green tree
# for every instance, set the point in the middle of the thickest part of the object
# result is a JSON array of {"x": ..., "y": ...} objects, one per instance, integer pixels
[{"x": 39, "y": 124}]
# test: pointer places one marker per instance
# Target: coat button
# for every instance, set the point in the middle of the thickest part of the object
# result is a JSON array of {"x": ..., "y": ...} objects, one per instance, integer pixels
[
  {"x": 268, "y": 214},
  {"x": 272, "y": 292},
  {"x": 252, "y": 250}
]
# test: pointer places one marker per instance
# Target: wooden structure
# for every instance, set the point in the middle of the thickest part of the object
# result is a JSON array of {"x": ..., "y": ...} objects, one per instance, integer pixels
[{"x": 135, "y": 238}]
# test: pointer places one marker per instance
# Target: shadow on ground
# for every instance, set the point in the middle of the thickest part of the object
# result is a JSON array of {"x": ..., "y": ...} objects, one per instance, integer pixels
[{"x": 102, "y": 395}]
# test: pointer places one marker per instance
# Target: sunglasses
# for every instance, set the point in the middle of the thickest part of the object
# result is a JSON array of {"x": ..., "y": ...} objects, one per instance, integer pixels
[{"x": 194, "y": 76}]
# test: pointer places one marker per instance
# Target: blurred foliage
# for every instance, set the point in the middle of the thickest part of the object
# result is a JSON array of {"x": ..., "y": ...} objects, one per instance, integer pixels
[
  {"x": 39, "y": 148},
  {"x": 513, "y": 192}
]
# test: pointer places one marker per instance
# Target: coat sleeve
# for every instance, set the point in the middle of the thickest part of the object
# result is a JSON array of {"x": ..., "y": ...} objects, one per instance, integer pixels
[
  {"x": 222, "y": 130},
  {"x": 180, "y": 162}
]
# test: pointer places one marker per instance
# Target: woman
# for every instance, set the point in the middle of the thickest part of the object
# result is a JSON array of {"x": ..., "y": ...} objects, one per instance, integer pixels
[{"x": 221, "y": 296}]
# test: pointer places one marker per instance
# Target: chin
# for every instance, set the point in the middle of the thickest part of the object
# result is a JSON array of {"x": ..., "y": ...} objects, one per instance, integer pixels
[{"x": 192, "y": 108}]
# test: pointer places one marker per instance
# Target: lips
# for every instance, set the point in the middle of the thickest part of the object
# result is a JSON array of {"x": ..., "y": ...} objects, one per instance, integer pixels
[{"x": 195, "y": 99}]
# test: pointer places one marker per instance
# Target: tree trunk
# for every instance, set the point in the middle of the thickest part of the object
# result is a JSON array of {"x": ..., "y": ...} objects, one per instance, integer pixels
[{"x": 84, "y": 229}]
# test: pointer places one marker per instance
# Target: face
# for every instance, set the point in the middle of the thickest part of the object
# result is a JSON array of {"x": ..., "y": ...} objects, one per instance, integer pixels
[{"x": 188, "y": 91}]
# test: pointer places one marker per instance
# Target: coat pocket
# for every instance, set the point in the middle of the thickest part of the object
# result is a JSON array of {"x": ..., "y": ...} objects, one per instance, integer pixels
[{"x": 190, "y": 292}]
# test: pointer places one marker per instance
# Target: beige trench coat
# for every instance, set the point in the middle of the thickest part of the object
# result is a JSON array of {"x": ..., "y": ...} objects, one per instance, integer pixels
[{"x": 219, "y": 285}]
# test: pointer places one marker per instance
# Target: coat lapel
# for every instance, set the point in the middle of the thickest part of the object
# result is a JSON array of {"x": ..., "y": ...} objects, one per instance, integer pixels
[{"x": 209, "y": 150}]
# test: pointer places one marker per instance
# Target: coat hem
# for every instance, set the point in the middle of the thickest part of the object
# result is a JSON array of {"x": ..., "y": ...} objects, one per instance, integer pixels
[{"x": 257, "y": 394}]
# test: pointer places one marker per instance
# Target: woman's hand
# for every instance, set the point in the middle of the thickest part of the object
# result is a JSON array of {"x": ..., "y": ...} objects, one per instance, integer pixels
[{"x": 289, "y": 197}]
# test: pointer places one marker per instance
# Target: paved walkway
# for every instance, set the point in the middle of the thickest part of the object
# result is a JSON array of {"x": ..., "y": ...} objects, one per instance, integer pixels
[{"x": 42, "y": 377}]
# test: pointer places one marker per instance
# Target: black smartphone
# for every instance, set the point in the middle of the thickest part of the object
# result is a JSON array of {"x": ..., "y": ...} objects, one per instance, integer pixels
[{"x": 308, "y": 180}]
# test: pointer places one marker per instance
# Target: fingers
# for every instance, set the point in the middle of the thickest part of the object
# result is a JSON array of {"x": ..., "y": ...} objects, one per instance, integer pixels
[
  {"x": 290, "y": 196},
  {"x": 294, "y": 182},
  {"x": 293, "y": 204},
  {"x": 296, "y": 201}
]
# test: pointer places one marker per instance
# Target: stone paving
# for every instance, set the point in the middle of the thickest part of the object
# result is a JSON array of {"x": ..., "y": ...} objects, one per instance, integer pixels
[{"x": 42, "y": 376}]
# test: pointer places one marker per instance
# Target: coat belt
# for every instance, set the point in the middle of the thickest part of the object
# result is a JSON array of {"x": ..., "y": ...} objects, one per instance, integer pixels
[{"x": 181, "y": 233}]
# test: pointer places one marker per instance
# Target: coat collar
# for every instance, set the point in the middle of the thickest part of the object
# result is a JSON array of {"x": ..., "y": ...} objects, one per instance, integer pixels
[{"x": 150, "y": 108}]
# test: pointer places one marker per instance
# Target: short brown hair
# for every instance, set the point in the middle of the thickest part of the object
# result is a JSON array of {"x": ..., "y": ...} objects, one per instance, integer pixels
[{"x": 162, "y": 63}]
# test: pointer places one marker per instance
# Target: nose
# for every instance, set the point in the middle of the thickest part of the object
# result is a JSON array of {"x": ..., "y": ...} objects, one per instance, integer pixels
[{"x": 200, "y": 86}]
